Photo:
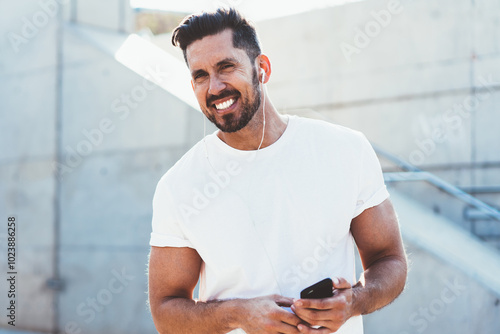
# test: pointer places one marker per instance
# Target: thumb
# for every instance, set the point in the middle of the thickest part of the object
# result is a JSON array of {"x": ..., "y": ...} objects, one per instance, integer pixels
[{"x": 341, "y": 283}]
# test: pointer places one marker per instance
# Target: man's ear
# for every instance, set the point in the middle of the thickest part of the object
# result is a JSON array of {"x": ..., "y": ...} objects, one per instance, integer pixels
[{"x": 264, "y": 63}]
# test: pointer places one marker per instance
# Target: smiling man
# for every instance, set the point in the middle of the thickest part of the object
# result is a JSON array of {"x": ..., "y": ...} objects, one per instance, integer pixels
[
  {"x": 266, "y": 206},
  {"x": 228, "y": 63}
]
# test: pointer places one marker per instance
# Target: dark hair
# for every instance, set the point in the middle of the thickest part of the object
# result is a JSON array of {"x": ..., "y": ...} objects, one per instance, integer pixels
[{"x": 196, "y": 26}]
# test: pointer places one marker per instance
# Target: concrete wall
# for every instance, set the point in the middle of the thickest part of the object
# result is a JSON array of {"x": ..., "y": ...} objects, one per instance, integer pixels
[
  {"x": 78, "y": 168},
  {"x": 438, "y": 299},
  {"x": 28, "y": 80}
]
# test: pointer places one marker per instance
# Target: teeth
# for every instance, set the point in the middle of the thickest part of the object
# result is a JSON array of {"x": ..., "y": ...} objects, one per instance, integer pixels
[{"x": 224, "y": 105}]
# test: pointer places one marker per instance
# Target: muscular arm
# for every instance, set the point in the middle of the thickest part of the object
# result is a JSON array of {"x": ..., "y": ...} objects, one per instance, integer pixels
[
  {"x": 173, "y": 274},
  {"x": 377, "y": 235},
  {"x": 376, "y": 232}
]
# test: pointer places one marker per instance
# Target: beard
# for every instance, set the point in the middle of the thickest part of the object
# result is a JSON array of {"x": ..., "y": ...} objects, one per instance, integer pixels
[{"x": 231, "y": 122}]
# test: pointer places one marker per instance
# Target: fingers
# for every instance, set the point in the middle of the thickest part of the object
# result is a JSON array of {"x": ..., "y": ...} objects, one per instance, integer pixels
[
  {"x": 335, "y": 302},
  {"x": 289, "y": 322},
  {"x": 263, "y": 315},
  {"x": 286, "y": 329},
  {"x": 341, "y": 283},
  {"x": 290, "y": 318},
  {"x": 323, "y": 318},
  {"x": 327, "y": 313}
]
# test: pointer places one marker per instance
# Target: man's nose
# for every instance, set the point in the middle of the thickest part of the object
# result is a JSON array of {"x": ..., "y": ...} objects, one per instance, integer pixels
[{"x": 216, "y": 85}]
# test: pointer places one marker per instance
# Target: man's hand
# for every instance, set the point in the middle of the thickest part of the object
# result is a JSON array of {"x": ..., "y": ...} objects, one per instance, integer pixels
[
  {"x": 264, "y": 315},
  {"x": 327, "y": 313}
]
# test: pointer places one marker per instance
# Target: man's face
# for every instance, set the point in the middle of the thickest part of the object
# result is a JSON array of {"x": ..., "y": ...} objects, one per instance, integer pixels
[{"x": 224, "y": 80}]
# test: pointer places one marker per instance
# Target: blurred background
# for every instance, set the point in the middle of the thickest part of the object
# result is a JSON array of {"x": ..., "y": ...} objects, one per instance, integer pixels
[{"x": 96, "y": 105}]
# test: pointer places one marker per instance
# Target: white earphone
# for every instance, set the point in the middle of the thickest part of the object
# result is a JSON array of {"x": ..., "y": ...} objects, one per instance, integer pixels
[{"x": 263, "y": 73}]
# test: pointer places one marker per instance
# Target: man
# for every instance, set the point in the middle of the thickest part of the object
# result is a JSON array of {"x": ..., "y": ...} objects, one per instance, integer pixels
[{"x": 266, "y": 206}]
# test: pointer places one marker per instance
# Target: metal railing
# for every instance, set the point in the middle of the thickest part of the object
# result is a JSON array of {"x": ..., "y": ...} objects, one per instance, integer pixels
[{"x": 413, "y": 173}]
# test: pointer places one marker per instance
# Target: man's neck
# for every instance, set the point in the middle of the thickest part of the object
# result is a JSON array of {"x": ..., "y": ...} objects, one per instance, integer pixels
[{"x": 249, "y": 138}]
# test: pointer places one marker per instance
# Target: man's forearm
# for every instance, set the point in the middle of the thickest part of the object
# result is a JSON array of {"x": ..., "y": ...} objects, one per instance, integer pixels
[
  {"x": 186, "y": 316},
  {"x": 379, "y": 285}
]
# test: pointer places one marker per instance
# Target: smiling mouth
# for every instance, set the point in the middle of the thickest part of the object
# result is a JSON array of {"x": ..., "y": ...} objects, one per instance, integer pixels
[{"x": 225, "y": 105}]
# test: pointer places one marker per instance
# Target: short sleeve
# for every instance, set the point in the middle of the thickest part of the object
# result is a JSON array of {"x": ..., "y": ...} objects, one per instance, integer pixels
[
  {"x": 166, "y": 231},
  {"x": 371, "y": 187}
]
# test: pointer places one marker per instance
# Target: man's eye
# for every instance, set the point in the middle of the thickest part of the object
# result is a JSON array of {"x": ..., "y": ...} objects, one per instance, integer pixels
[
  {"x": 225, "y": 67},
  {"x": 199, "y": 76}
]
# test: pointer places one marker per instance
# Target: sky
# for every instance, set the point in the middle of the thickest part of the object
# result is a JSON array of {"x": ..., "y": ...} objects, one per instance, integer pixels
[{"x": 253, "y": 9}]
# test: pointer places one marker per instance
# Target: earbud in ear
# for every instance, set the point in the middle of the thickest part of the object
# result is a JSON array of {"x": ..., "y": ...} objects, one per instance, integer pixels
[{"x": 263, "y": 74}]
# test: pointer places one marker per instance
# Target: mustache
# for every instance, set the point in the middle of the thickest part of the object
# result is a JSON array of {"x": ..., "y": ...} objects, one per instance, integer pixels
[{"x": 223, "y": 94}]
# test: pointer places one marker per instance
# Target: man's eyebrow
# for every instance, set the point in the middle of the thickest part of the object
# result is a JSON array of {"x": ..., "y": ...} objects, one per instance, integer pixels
[{"x": 225, "y": 61}]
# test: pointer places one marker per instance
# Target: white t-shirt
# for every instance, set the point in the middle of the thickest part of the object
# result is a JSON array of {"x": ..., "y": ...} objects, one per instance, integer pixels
[{"x": 270, "y": 221}]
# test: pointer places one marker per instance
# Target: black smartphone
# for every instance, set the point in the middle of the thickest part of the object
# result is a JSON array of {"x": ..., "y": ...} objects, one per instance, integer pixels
[{"x": 322, "y": 289}]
